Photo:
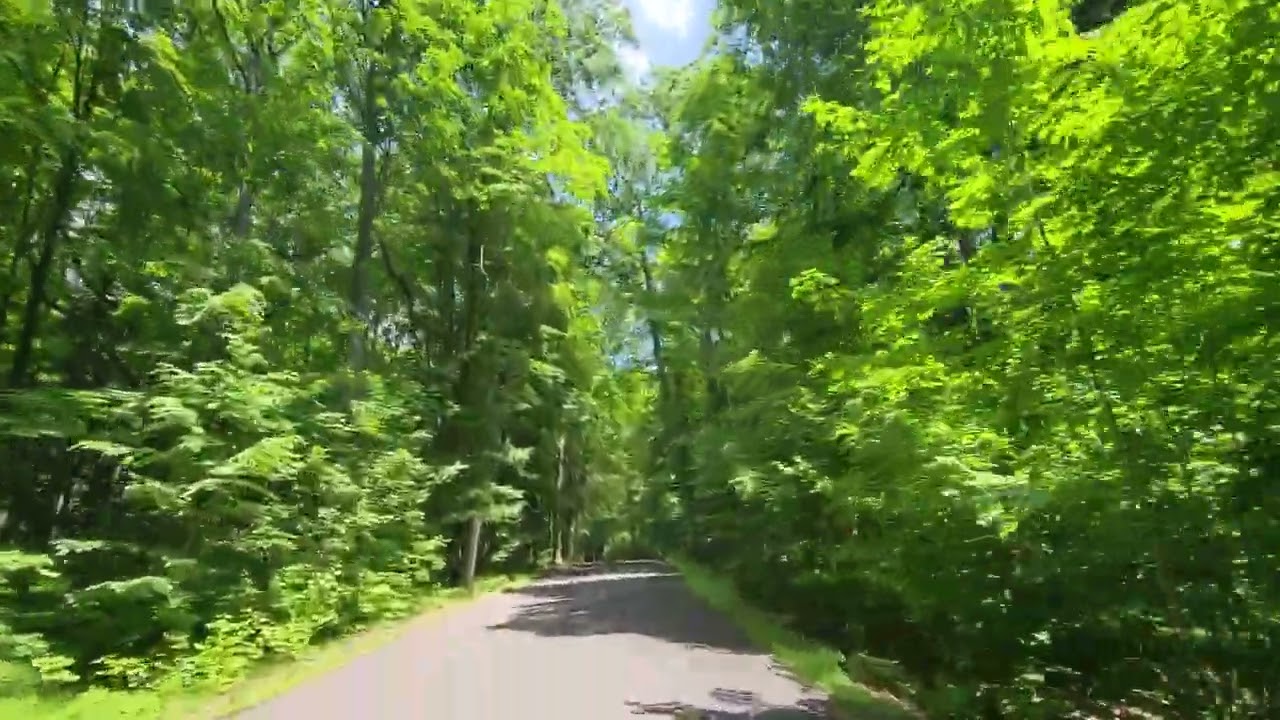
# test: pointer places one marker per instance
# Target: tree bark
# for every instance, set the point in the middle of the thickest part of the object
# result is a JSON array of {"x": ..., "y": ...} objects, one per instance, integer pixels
[
  {"x": 557, "y": 521},
  {"x": 357, "y": 353},
  {"x": 31, "y": 315},
  {"x": 472, "y": 552}
]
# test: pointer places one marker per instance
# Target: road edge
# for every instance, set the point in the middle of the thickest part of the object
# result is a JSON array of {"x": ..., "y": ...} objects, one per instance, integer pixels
[
  {"x": 271, "y": 681},
  {"x": 810, "y": 662}
]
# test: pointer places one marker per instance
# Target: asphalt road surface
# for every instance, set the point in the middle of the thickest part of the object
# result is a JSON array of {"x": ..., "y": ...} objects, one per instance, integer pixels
[{"x": 617, "y": 643}]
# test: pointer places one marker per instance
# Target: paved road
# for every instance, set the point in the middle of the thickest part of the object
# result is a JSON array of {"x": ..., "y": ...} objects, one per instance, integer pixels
[{"x": 612, "y": 644}]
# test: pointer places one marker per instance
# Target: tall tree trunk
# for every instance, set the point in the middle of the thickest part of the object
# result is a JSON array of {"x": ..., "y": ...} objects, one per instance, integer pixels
[
  {"x": 558, "y": 505},
  {"x": 357, "y": 353},
  {"x": 23, "y": 234},
  {"x": 31, "y": 315},
  {"x": 655, "y": 330},
  {"x": 469, "y": 377},
  {"x": 570, "y": 535},
  {"x": 472, "y": 552}
]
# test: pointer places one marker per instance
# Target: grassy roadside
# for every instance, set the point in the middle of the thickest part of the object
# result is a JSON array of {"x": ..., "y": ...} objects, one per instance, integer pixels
[
  {"x": 263, "y": 683},
  {"x": 811, "y": 663}
]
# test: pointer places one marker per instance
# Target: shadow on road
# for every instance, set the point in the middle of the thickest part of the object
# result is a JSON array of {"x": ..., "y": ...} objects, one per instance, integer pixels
[
  {"x": 640, "y": 597},
  {"x": 749, "y": 708}
]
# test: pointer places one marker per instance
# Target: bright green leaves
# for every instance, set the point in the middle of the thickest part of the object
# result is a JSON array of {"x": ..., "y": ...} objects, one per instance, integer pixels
[
  {"x": 987, "y": 367},
  {"x": 166, "y": 57},
  {"x": 562, "y": 153},
  {"x": 318, "y": 273},
  {"x": 902, "y": 35},
  {"x": 821, "y": 290}
]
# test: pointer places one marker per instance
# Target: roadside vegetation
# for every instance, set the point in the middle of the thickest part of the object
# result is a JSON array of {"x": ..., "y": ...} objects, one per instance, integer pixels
[
  {"x": 851, "y": 686},
  {"x": 228, "y": 692},
  {"x": 942, "y": 331}
]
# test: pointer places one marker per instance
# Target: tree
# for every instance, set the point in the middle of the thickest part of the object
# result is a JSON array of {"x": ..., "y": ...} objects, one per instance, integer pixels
[
  {"x": 298, "y": 297},
  {"x": 952, "y": 391}
]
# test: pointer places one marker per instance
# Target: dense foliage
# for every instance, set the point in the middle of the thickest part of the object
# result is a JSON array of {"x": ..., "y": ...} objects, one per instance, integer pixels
[
  {"x": 965, "y": 341},
  {"x": 298, "y": 319},
  {"x": 943, "y": 326}
]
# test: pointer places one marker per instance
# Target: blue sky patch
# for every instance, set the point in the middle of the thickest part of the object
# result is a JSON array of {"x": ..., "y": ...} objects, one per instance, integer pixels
[{"x": 671, "y": 32}]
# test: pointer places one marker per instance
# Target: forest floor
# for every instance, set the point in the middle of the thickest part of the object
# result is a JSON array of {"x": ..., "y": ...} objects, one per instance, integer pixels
[{"x": 601, "y": 643}]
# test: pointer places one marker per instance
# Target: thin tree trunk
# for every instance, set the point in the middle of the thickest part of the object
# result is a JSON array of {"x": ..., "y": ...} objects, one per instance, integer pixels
[
  {"x": 363, "y": 252},
  {"x": 558, "y": 504},
  {"x": 472, "y": 552},
  {"x": 570, "y": 533},
  {"x": 31, "y": 315},
  {"x": 467, "y": 383},
  {"x": 655, "y": 331},
  {"x": 23, "y": 233}
]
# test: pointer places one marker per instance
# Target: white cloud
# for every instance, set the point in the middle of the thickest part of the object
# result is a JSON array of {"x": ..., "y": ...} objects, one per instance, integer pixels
[
  {"x": 672, "y": 15},
  {"x": 634, "y": 61}
]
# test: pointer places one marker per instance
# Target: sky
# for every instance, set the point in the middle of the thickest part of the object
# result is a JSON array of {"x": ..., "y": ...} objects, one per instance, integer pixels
[{"x": 671, "y": 32}]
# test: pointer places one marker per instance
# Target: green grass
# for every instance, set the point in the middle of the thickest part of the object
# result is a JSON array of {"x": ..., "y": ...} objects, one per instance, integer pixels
[
  {"x": 811, "y": 663},
  {"x": 263, "y": 683}
]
